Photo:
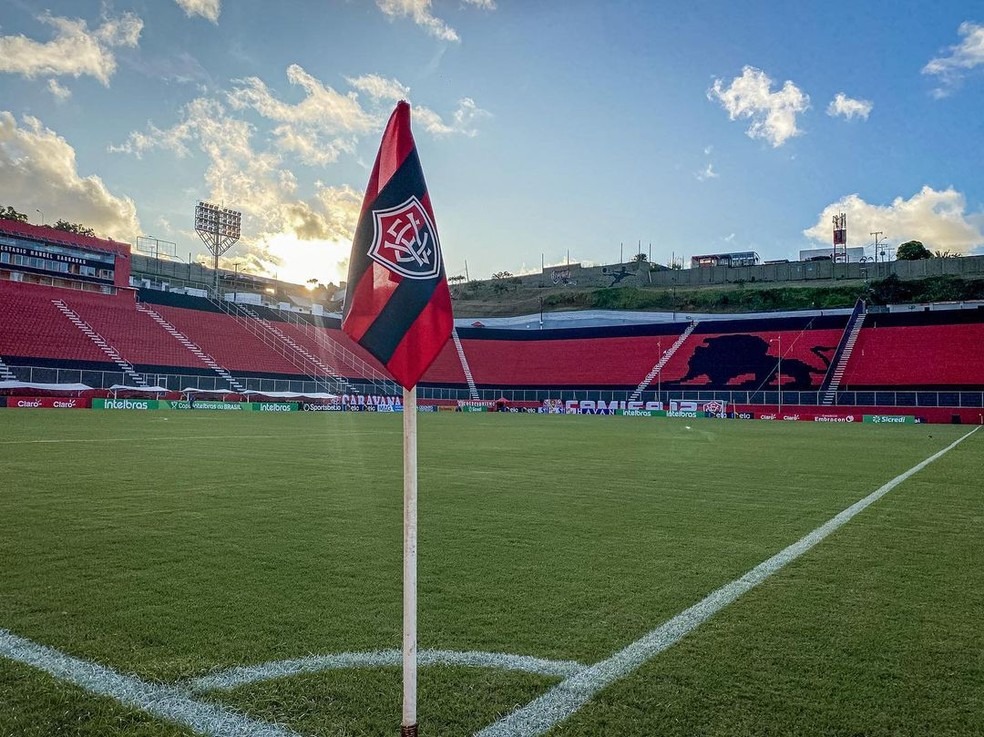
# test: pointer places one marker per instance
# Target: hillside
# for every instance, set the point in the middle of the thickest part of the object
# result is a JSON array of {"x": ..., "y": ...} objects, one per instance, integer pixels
[{"x": 517, "y": 296}]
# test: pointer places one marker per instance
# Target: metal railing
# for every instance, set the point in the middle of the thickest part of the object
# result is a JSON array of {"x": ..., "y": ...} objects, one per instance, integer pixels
[{"x": 99, "y": 379}]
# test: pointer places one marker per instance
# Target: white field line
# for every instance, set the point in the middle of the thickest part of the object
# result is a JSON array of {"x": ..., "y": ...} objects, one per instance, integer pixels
[
  {"x": 567, "y": 697},
  {"x": 138, "y": 439},
  {"x": 239, "y": 676},
  {"x": 165, "y": 702},
  {"x": 172, "y": 438}
]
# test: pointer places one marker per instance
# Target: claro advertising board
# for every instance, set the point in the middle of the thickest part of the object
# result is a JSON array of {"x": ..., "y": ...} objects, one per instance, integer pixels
[{"x": 46, "y": 402}]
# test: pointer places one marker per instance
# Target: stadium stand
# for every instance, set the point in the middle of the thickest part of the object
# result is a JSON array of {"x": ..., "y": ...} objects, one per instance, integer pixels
[
  {"x": 921, "y": 351},
  {"x": 34, "y": 328},
  {"x": 904, "y": 351}
]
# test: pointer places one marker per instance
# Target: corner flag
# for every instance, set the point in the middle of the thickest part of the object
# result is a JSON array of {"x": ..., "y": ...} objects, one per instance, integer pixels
[{"x": 398, "y": 306}]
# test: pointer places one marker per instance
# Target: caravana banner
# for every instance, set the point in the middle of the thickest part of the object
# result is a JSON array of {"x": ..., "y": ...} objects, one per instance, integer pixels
[{"x": 363, "y": 400}]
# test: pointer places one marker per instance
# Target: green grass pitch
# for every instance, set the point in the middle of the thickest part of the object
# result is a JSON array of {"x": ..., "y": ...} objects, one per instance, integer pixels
[{"x": 171, "y": 545}]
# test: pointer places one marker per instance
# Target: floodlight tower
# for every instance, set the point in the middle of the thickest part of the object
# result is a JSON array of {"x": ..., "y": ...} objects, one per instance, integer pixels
[
  {"x": 840, "y": 237},
  {"x": 219, "y": 228}
]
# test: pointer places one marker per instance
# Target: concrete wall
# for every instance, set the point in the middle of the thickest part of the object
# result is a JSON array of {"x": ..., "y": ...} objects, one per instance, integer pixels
[{"x": 798, "y": 271}]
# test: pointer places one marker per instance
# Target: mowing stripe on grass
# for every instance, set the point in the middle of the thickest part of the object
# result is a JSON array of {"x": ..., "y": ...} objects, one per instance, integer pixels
[
  {"x": 169, "y": 438},
  {"x": 166, "y": 702},
  {"x": 172, "y": 438},
  {"x": 567, "y": 697},
  {"x": 240, "y": 676}
]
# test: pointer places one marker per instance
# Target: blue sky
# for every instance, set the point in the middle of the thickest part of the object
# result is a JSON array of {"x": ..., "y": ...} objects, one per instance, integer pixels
[{"x": 544, "y": 127}]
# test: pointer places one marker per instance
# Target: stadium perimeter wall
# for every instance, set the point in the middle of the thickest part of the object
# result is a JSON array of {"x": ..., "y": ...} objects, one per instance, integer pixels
[{"x": 684, "y": 410}]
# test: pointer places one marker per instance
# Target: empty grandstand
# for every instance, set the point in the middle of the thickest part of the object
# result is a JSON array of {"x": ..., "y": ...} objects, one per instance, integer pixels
[{"x": 72, "y": 324}]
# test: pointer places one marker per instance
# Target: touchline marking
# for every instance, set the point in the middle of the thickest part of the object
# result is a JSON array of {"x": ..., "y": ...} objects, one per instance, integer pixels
[
  {"x": 560, "y": 702},
  {"x": 139, "y": 439},
  {"x": 242, "y": 675},
  {"x": 165, "y": 702},
  {"x": 178, "y": 437}
]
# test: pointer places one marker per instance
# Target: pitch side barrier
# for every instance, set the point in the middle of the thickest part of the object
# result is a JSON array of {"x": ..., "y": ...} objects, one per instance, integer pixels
[
  {"x": 675, "y": 408},
  {"x": 721, "y": 410}
]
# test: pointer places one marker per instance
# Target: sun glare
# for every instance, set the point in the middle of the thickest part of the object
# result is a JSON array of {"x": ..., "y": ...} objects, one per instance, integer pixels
[{"x": 301, "y": 261}]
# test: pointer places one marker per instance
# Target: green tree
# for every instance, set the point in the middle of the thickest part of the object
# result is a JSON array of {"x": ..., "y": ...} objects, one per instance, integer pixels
[
  {"x": 76, "y": 228},
  {"x": 640, "y": 258},
  {"x": 912, "y": 251},
  {"x": 9, "y": 213}
]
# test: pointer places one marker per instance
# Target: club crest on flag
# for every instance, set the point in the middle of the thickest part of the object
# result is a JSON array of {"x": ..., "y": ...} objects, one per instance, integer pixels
[{"x": 405, "y": 241}]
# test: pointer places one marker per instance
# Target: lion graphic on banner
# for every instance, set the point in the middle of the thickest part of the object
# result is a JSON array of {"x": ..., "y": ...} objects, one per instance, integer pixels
[{"x": 724, "y": 359}]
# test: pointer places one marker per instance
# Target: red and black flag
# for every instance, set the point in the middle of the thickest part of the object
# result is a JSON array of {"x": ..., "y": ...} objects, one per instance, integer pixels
[{"x": 397, "y": 304}]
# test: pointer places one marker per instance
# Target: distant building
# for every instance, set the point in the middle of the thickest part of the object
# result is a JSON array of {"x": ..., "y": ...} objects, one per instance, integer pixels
[
  {"x": 740, "y": 258},
  {"x": 44, "y": 255},
  {"x": 854, "y": 254}
]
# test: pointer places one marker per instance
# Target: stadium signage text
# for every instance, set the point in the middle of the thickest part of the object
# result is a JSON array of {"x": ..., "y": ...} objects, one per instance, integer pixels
[
  {"x": 362, "y": 400},
  {"x": 890, "y": 419},
  {"x": 47, "y": 402},
  {"x": 314, "y": 407},
  {"x": 601, "y": 407},
  {"x": 142, "y": 404},
  {"x": 276, "y": 406}
]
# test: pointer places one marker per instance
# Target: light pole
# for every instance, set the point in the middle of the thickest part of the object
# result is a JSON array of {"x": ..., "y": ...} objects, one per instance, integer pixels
[
  {"x": 659, "y": 374},
  {"x": 674, "y": 298},
  {"x": 235, "y": 283},
  {"x": 39, "y": 212},
  {"x": 779, "y": 370}
]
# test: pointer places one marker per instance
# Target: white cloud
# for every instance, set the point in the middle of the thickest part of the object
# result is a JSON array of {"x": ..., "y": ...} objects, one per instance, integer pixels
[
  {"x": 39, "y": 170},
  {"x": 937, "y": 218},
  {"x": 60, "y": 92},
  {"x": 380, "y": 88},
  {"x": 207, "y": 9},
  {"x": 420, "y": 12},
  {"x": 279, "y": 226},
  {"x": 248, "y": 161},
  {"x": 319, "y": 128},
  {"x": 463, "y": 119},
  {"x": 849, "y": 107},
  {"x": 962, "y": 58},
  {"x": 74, "y": 51},
  {"x": 773, "y": 114},
  {"x": 707, "y": 173}
]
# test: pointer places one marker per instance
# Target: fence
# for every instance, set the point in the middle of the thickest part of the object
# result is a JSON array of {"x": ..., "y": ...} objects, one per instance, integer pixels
[{"x": 177, "y": 381}]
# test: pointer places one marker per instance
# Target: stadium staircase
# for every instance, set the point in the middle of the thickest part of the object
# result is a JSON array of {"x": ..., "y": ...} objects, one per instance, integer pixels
[
  {"x": 472, "y": 388},
  {"x": 100, "y": 342},
  {"x": 382, "y": 385},
  {"x": 187, "y": 343},
  {"x": 667, "y": 355},
  {"x": 324, "y": 376},
  {"x": 832, "y": 380},
  {"x": 5, "y": 373}
]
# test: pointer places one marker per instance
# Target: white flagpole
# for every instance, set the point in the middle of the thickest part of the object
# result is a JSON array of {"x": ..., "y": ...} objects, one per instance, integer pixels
[{"x": 409, "y": 723}]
